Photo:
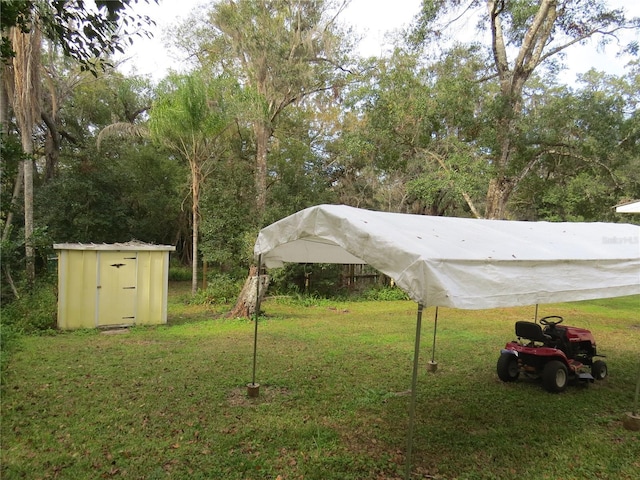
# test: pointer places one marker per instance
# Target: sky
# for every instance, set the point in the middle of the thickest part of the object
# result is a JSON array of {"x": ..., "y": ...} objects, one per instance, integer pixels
[{"x": 371, "y": 18}]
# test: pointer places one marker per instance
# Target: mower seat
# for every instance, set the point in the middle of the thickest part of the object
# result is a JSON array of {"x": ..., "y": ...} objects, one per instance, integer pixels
[{"x": 531, "y": 331}]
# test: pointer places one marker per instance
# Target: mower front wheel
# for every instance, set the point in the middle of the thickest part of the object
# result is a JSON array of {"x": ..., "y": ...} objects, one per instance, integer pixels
[
  {"x": 599, "y": 370},
  {"x": 508, "y": 369},
  {"x": 555, "y": 376}
]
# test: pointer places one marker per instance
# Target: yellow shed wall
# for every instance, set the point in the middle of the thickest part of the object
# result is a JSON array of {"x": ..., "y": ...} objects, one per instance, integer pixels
[
  {"x": 153, "y": 272},
  {"x": 77, "y": 277}
]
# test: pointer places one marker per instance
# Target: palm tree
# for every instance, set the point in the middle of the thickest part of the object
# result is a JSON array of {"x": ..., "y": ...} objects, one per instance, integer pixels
[{"x": 190, "y": 120}]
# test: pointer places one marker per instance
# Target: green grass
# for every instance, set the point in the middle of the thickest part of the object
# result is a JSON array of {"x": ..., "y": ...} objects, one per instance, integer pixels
[{"x": 170, "y": 401}]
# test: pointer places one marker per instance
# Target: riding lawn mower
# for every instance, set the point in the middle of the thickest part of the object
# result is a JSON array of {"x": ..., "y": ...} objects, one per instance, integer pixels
[{"x": 556, "y": 354}]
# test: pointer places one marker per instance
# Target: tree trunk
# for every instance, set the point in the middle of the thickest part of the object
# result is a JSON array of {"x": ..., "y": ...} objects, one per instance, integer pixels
[
  {"x": 26, "y": 78},
  {"x": 247, "y": 300},
  {"x": 246, "y": 303},
  {"x": 4, "y": 101},
  {"x": 263, "y": 134},
  {"x": 51, "y": 147},
  {"x": 195, "y": 211},
  {"x": 27, "y": 145},
  {"x": 512, "y": 82},
  {"x": 497, "y": 196},
  {"x": 17, "y": 188}
]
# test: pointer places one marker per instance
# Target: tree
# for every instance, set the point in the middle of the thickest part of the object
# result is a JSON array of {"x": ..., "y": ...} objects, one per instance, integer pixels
[
  {"x": 25, "y": 88},
  {"x": 590, "y": 157},
  {"x": 84, "y": 34},
  {"x": 538, "y": 32},
  {"x": 410, "y": 136},
  {"x": 283, "y": 51},
  {"x": 190, "y": 119},
  {"x": 129, "y": 188}
]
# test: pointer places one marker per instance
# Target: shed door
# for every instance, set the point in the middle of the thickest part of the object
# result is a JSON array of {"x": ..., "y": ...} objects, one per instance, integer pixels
[{"x": 116, "y": 288}]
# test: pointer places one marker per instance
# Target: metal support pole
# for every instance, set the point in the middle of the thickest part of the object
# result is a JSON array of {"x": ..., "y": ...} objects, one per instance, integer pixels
[
  {"x": 535, "y": 318},
  {"x": 634, "y": 410},
  {"x": 412, "y": 404},
  {"x": 253, "y": 388},
  {"x": 435, "y": 328}
]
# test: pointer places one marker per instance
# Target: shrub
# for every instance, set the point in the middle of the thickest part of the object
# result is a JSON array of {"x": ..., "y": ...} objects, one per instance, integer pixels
[
  {"x": 34, "y": 311},
  {"x": 316, "y": 280},
  {"x": 221, "y": 289}
]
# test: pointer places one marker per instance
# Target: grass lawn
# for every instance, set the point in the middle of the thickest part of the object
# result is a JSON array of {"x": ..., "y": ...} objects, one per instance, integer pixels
[{"x": 170, "y": 401}]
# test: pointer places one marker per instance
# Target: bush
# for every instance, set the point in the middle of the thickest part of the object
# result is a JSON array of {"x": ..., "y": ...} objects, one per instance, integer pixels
[
  {"x": 221, "y": 289},
  {"x": 33, "y": 312}
]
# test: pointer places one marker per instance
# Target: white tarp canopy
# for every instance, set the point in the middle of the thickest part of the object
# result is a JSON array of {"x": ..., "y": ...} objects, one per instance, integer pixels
[
  {"x": 630, "y": 207},
  {"x": 464, "y": 263}
]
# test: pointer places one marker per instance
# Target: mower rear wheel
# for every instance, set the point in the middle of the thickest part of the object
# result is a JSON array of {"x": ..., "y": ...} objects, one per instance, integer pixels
[
  {"x": 555, "y": 376},
  {"x": 599, "y": 370},
  {"x": 508, "y": 369}
]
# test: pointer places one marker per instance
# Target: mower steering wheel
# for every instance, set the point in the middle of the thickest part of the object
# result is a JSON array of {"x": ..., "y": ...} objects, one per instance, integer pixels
[{"x": 545, "y": 321}]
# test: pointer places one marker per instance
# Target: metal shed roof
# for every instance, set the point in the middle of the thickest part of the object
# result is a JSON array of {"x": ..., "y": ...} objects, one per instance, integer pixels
[{"x": 132, "y": 245}]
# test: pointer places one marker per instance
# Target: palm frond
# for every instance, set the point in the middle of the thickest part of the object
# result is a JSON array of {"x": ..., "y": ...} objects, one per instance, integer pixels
[{"x": 122, "y": 129}]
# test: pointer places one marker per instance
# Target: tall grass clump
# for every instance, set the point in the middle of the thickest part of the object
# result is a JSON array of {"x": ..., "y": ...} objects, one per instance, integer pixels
[
  {"x": 34, "y": 312},
  {"x": 302, "y": 300},
  {"x": 384, "y": 294}
]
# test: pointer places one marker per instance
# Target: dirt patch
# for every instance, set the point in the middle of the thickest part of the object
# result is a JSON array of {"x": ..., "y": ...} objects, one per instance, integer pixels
[{"x": 268, "y": 393}]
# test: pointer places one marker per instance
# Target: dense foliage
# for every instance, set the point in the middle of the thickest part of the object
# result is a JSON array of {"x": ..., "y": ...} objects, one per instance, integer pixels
[{"x": 248, "y": 138}]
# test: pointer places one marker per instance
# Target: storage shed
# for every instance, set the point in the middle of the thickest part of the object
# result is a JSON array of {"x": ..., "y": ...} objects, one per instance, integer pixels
[{"x": 110, "y": 285}]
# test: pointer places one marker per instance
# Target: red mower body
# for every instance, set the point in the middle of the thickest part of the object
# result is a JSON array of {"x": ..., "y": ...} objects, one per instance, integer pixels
[{"x": 575, "y": 334}]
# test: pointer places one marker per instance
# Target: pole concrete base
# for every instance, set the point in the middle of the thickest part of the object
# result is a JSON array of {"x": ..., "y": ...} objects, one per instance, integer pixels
[
  {"x": 432, "y": 366},
  {"x": 631, "y": 422},
  {"x": 253, "y": 390}
]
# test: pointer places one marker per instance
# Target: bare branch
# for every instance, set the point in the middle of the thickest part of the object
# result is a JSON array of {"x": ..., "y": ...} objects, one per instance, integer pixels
[{"x": 581, "y": 38}]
